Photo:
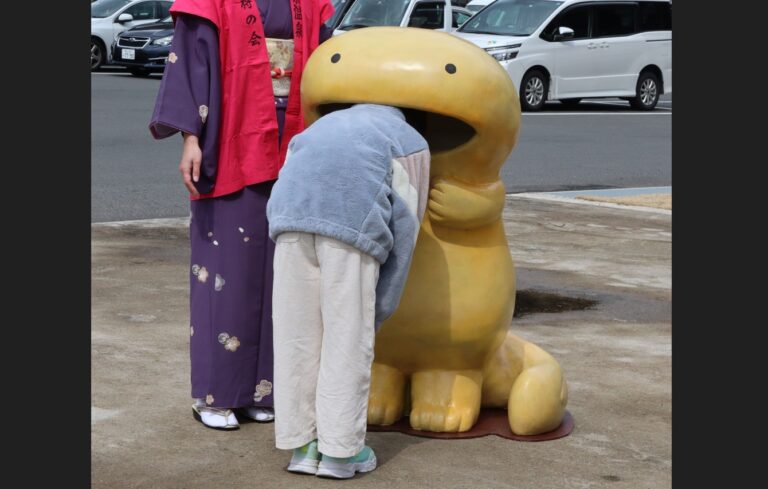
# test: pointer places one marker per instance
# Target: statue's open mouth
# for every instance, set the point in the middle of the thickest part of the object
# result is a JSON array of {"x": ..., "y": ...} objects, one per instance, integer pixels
[{"x": 443, "y": 133}]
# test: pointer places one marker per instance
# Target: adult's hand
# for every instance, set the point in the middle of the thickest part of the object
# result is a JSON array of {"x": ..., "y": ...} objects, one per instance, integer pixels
[{"x": 191, "y": 157}]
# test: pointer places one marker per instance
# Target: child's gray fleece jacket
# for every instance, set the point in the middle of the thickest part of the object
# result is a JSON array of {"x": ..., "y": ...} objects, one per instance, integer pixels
[{"x": 359, "y": 175}]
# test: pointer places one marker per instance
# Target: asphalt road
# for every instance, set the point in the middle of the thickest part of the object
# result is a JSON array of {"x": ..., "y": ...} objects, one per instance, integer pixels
[{"x": 600, "y": 144}]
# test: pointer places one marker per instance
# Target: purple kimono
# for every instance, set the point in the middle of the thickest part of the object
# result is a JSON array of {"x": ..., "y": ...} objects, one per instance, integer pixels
[{"x": 231, "y": 253}]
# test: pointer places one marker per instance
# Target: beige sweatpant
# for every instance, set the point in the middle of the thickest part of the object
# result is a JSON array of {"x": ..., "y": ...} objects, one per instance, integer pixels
[{"x": 323, "y": 309}]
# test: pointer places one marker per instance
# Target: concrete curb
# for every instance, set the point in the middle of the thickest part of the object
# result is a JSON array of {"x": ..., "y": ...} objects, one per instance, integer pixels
[{"x": 552, "y": 197}]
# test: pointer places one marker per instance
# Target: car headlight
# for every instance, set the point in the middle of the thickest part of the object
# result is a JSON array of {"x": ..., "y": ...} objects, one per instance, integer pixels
[
  {"x": 163, "y": 41},
  {"x": 503, "y": 53}
]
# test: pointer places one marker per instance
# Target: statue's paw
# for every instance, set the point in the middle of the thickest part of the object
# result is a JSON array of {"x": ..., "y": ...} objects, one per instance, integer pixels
[
  {"x": 386, "y": 396},
  {"x": 464, "y": 206},
  {"x": 384, "y": 411},
  {"x": 445, "y": 400},
  {"x": 447, "y": 419}
]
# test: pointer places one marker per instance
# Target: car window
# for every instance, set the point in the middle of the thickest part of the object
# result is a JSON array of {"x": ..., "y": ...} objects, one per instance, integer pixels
[
  {"x": 576, "y": 18},
  {"x": 655, "y": 16},
  {"x": 613, "y": 20},
  {"x": 459, "y": 18},
  {"x": 476, "y": 6},
  {"x": 105, "y": 8},
  {"x": 368, "y": 13},
  {"x": 142, "y": 11},
  {"x": 162, "y": 9},
  {"x": 511, "y": 17},
  {"x": 338, "y": 11},
  {"x": 427, "y": 15}
]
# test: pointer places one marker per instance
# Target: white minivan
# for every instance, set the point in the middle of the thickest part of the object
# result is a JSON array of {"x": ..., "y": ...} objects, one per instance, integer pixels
[
  {"x": 427, "y": 14},
  {"x": 575, "y": 49}
]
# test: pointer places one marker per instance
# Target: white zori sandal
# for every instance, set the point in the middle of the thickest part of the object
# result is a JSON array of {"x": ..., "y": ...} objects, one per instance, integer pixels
[
  {"x": 260, "y": 414},
  {"x": 216, "y": 418}
]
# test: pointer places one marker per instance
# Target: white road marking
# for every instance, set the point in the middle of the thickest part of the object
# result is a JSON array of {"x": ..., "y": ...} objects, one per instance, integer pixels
[
  {"x": 617, "y": 102},
  {"x": 172, "y": 222},
  {"x": 615, "y": 192},
  {"x": 570, "y": 200},
  {"x": 666, "y": 112},
  {"x": 99, "y": 414}
]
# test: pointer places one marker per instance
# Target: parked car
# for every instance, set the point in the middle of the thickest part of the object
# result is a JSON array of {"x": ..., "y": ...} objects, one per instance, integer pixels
[
  {"x": 145, "y": 48},
  {"x": 340, "y": 8},
  {"x": 460, "y": 15},
  {"x": 111, "y": 17},
  {"x": 427, "y": 14},
  {"x": 476, "y": 5},
  {"x": 576, "y": 49}
]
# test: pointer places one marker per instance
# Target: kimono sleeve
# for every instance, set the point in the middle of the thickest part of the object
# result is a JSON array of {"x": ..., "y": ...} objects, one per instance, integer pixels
[
  {"x": 184, "y": 101},
  {"x": 189, "y": 98}
]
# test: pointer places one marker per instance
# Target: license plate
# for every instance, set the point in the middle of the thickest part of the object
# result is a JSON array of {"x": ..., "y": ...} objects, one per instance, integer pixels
[{"x": 128, "y": 54}]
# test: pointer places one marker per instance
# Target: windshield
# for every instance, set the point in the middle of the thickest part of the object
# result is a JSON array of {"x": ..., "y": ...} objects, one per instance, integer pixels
[
  {"x": 338, "y": 11},
  {"x": 368, "y": 13},
  {"x": 511, "y": 17},
  {"x": 105, "y": 8}
]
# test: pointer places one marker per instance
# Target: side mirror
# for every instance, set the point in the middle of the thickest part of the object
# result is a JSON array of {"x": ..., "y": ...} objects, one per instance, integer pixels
[
  {"x": 123, "y": 18},
  {"x": 563, "y": 34}
]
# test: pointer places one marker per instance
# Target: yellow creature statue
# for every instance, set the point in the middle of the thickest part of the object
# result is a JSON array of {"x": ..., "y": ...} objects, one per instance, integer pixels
[{"x": 450, "y": 334}]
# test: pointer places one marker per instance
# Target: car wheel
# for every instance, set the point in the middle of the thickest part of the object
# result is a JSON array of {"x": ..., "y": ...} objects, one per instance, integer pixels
[
  {"x": 570, "y": 102},
  {"x": 97, "y": 55},
  {"x": 139, "y": 72},
  {"x": 533, "y": 91},
  {"x": 647, "y": 92}
]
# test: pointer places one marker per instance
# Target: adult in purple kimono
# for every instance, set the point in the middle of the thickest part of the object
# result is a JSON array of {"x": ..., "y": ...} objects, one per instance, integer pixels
[{"x": 231, "y": 253}]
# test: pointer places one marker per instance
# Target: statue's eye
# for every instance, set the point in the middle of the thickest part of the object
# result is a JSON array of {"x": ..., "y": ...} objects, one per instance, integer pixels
[
  {"x": 450, "y": 68},
  {"x": 335, "y": 58}
]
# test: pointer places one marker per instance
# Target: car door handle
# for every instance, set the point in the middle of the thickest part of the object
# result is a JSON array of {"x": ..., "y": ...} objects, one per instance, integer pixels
[
  {"x": 592, "y": 45},
  {"x": 605, "y": 45}
]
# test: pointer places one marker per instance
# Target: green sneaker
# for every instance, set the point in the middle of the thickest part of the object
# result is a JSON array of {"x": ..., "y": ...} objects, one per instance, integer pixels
[
  {"x": 345, "y": 468},
  {"x": 305, "y": 459}
]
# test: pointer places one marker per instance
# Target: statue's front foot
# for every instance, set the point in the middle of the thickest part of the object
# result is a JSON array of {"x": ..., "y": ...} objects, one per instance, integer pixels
[
  {"x": 386, "y": 397},
  {"x": 445, "y": 400}
]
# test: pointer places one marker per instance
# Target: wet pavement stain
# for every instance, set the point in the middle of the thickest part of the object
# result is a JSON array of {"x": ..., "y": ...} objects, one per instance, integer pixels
[{"x": 534, "y": 301}]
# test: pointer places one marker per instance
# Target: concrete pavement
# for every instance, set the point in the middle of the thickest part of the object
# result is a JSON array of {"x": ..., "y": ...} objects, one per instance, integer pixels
[{"x": 616, "y": 357}]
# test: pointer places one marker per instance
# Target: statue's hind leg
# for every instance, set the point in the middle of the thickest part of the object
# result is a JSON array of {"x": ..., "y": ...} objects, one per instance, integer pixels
[{"x": 530, "y": 382}]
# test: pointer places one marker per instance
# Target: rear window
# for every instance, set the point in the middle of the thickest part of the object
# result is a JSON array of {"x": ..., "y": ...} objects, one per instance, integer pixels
[
  {"x": 427, "y": 15},
  {"x": 614, "y": 20},
  {"x": 370, "y": 13},
  {"x": 459, "y": 18},
  {"x": 163, "y": 9},
  {"x": 655, "y": 16}
]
